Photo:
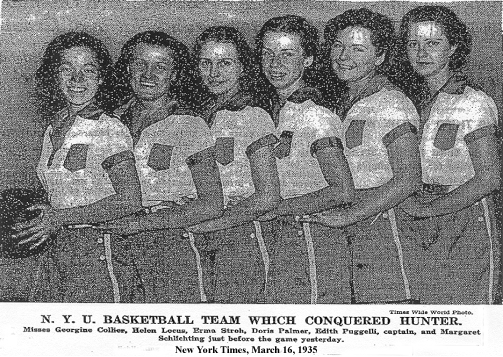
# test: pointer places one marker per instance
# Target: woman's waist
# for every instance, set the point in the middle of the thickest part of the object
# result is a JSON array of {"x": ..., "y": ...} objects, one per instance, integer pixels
[
  {"x": 367, "y": 174},
  {"x": 232, "y": 198},
  {"x": 440, "y": 176},
  {"x": 62, "y": 199},
  {"x": 294, "y": 184}
]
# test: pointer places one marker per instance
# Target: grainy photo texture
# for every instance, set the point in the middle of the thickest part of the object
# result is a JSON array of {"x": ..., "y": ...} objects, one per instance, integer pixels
[{"x": 249, "y": 152}]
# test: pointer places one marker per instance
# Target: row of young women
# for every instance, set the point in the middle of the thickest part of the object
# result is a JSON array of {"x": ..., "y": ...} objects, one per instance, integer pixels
[{"x": 264, "y": 188}]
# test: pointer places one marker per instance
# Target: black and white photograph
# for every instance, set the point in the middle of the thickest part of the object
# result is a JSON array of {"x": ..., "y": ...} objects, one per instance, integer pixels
[{"x": 275, "y": 158}]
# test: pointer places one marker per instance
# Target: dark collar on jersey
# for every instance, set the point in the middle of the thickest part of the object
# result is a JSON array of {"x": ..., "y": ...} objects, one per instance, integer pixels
[
  {"x": 65, "y": 118},
  {"x": 90, "y": 112},
  {"x": 456, "y": 84},
  {"x": 306, "y": 93},
  {"x": 174, "y": 107},
  {"x": 300, "y": 96},
  {"x": 126, "y": 111},
  {"x": 377, "y": 83},
  {"x": 237, "y": 102}
]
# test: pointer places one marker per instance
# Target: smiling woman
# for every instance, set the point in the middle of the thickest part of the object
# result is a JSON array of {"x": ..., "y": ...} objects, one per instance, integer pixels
[
  {"x": 307, "y": 263},
  {"x": 87, "y": 168},
  {"x": 380, "y": 144},
  {"x": 151, "y": 71},
  {"x": 354, "y": 58},
  {"x": 79, "y": 76},
  {"x": 173, "y": 149},
  {"x": 235, "y": 258}
]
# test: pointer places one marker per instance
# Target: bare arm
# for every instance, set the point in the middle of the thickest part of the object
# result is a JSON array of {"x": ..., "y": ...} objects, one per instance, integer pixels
[
  {"x": 404, "y": 160},
  {"x": 485, "y": 159},
  {"x": 266, "y": 183},
  {"x": 405, "y": 163},
  {"x": 335, "y": 169}
]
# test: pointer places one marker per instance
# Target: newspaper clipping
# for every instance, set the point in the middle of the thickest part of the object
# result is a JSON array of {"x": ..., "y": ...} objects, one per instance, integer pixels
[{"x": 250, "y": 177}]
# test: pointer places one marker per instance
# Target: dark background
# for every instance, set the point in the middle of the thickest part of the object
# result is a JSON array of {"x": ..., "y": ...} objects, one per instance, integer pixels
[{"x": 28, "y": 26}]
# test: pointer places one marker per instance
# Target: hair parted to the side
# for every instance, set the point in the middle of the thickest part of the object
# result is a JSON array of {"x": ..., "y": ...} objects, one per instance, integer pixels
[
  {"x": 51, "y": 98},
  {"x": 182, "y": 87},
  {"x": 309, "y": 41},
  {"x": 227, "y": 34},
  {"x": 382, "y": 36},
  {"x": 454, "y": 29},
  {"x": 291, "y": 24}
]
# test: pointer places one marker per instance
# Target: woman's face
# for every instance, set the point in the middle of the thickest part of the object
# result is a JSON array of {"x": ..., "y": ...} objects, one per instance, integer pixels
[
  {"x": 283, "y": 60},
  {"x": 428, "y": 49},
  {"x": 220, "y": 67},
  {"x": 79, "y": 76},
  {"x": 353, "y": 55},
  {"x": 151, "y": 71}
]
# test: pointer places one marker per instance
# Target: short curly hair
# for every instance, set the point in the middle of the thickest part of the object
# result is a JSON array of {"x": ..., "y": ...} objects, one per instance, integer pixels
[
  {"x": 382, "y": 34},
  {"x": 455, "y": 30},
  {"x": 120, "y": 81},
  {"x": 51, "y": 98}
]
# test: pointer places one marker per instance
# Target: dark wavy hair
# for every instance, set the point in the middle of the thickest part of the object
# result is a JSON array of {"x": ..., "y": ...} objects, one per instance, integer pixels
[
  {"x": 51, "y": 98},
  {"x": 457, "y": 34},
  {"x": 382, "y": 36},
  {"x": 454, "y": 29},
  {"x": 227, "y": 34},
  {"x": 181, "y": 87},
  {"x": 382, "y": 33},
  {"x": 292, "y": 24},
  {"x": 309, "y": 41}
]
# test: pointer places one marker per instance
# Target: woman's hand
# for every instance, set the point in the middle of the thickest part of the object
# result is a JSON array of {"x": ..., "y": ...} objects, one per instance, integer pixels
[
  {"x": 413, "y": 207},
  {"x": 171, "y": 204},
  {"x": 334, "y": 219},
  {"x": 123, "y": 226},
  {"x": 269, "y": 216},
  {"x": 38, "y": 230},
  {"x": 203, "y": 227}
]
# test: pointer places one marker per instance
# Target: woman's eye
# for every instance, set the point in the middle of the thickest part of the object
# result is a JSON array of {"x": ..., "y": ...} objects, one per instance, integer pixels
[
  {"x": 227, "y": 63},
  {"x": 137, "y": 65},
  {"x": 358, "y": 49},
  {"x": 266, "y": 55},
  {"x": 64, "y": 69},
  {"x": 411, "y": 44},
  {"x": 433, "y": 43}
]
